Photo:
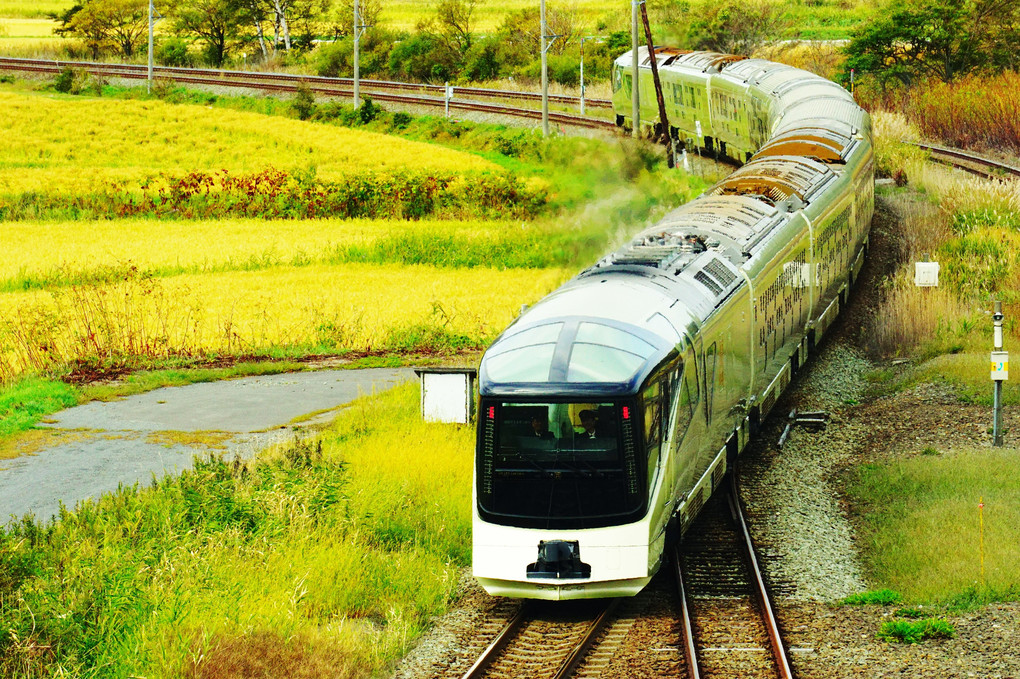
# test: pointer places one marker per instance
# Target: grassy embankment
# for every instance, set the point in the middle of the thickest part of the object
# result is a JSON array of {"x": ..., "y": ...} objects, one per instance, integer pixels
[
  {"x": 310, "y": 562},
  {"x": 919, "y": 511}
]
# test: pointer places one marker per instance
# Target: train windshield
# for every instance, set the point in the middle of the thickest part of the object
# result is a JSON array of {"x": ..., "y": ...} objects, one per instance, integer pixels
[{"x": 559, "y": 465}]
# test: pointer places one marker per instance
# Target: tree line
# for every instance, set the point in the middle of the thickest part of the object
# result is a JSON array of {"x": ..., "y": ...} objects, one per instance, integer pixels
[{"x": 904, "y": 41}]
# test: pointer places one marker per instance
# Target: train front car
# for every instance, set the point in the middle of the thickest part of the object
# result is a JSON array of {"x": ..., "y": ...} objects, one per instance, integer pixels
[{"x": 562, "y": 479}]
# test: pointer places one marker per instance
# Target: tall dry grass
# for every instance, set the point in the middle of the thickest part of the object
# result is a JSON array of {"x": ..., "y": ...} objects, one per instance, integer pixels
[
  {"x": 974, "y": 111},
  {"x": 908, "y": 316}
]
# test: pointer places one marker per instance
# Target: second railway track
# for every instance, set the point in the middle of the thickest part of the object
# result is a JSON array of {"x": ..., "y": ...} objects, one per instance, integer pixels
[
  {"x": 729, "y": 625},
  {"x": 465, "y": 98}
]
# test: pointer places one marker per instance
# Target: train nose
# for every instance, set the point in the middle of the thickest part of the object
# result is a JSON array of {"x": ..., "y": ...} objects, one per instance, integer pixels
[{"x": 559, "y": 559}]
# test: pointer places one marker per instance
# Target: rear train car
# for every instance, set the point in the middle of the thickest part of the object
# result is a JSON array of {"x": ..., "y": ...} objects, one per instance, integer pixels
[{"x": 611, "y": 410}]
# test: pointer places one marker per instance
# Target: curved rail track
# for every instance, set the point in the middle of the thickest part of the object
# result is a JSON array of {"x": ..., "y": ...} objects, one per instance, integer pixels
[
  {"x": 380, "y": 90},
  {"x": 728, "y": 624},
  {"x": 969, "y": 162}
]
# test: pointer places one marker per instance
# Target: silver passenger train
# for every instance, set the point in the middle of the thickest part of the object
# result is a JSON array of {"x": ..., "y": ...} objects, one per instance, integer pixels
[{"x": 611, "y": 409}]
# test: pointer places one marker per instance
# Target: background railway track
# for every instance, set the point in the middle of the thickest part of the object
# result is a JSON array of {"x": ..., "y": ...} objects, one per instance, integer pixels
[
  {"x": 728, "y": 623},
  {"x": 464, "y": 98},
  {"x": 969, "y": 162}
]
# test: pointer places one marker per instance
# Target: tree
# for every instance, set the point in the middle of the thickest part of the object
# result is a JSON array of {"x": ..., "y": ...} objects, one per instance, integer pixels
[
  {"x": 524, "y": 28},
  {"x": 116, "y": 25},
  {"x": 339, "y": 19},
  {"x": 935, "y": 38},
  {"x": 451, "y": 26},
  {"x": 217, "y": 23},
  {"x": 735, "y": 26}
]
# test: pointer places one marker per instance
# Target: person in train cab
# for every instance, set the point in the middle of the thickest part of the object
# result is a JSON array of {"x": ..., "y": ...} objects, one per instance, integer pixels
[
  {"x": 588, "y": 422},
  {"x": 540, "y": 427}
]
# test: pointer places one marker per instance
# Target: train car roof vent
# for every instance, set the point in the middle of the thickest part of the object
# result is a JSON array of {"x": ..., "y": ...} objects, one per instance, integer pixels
[
  {"x": 708, "y": 282},
  {"x": 775, "y": 179},
  {"x": 660, "y": 249},
  {"x": 709, "y": 62},
  {"x": 825, "y": 146},
  {"x": 716, "y": 276}
]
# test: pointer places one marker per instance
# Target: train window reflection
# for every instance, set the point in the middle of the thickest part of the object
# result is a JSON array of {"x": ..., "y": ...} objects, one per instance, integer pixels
[
  {"x": 597, "y": 363},
  {"x": 527, "y": 364}
]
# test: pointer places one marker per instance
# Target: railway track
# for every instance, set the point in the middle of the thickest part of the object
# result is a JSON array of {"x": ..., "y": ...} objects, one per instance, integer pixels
[
  {"x": 544, "y": 640},
  {"x": 969, "y": 162},
  {"x": 380, "y": 90},
  {"x": 728, "y": 625},
  {"x": 725, "y": 620}
]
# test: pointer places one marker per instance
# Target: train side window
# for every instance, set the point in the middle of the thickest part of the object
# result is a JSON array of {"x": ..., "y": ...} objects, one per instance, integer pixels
[
  {"x": 711, "y": 357},
  {"x": 652, "y": 398}
]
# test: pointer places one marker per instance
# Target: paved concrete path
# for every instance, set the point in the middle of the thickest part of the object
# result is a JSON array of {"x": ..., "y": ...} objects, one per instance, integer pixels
[{"x": 97, "y": 446}]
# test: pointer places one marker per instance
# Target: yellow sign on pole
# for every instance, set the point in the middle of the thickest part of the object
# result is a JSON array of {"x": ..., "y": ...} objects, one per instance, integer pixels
[{"x": 1000, "y": 365}]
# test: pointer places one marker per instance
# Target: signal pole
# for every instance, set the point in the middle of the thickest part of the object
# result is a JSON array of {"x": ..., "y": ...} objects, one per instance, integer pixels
[
  {"x": 635, "y": 101},
  {"x": 1000, "y": 372}
]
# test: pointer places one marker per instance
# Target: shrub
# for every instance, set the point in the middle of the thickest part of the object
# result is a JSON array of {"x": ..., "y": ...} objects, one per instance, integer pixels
[
  {"x": 368, "y": 111},
  {"x": 401, "y": 120},
  {"x": 163, "y": 88},
  {"x": 911, "y": 632},
  {"x": 64, "y": 80},
  {"x": 304, "y": 101},
  {"x": 883, "y": 597},
  {"x": 173, "y": 52}
]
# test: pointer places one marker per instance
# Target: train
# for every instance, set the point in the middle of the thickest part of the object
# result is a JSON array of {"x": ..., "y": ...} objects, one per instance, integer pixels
[{"x": 610, "y": 411}]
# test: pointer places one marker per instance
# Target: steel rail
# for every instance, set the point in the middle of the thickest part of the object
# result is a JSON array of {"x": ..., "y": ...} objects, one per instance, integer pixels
[
  {"x": 687, "y": 629},
  {"x": 768, "y": 615},
  {"x": 218, "y": 78},
  {"x": 958, "y": 155},
  {"x": 501, "y": 641},
  {"x": 512, "y": 628},
  {"x": 577, "y": 655},
  {"x": 178, "y": 72}
]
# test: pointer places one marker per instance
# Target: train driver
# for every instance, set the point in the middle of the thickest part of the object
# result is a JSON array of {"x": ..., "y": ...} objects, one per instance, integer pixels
[
  {"x": 540, "y": 428},
  {"x": 589, "y": 419}
]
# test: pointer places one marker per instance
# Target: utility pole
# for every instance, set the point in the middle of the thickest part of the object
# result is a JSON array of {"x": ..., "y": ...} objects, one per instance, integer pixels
[
  {"x": 635, "y": 101},
  {"x": 149, "y": 81},
  {"x": 357, "y": 65},
  {"x": 663, "y": 120},
  {"x": 545, "y": 76}
]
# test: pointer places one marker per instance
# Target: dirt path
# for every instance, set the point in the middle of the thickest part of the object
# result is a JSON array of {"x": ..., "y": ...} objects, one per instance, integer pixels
[{"x": 85, "y": 451}]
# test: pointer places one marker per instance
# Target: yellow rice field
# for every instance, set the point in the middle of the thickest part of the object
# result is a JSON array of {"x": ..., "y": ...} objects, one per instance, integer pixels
[
  {"x": 27, "y": 28},
  {"x": 57, "y": 143},
  {"x": 354, "y": 306},
  {"x": 405, "y": 14},
  {"x": 66, "y": 249},
  {"x": 33, "y": 8}
]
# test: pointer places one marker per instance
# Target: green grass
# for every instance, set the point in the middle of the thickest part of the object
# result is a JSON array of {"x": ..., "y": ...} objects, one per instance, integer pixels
[
  {"x": 921, "y": 525},
  {"x": 914, "y": 631},
  {"x": 23, "y": 404},
  {"x": 881, "y": 597},
  {"x": 318, "y": 560},
  {"x": 965, "y": 370}
]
